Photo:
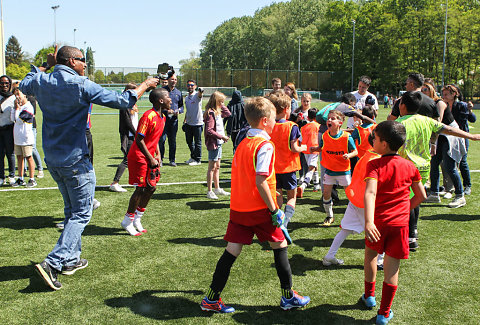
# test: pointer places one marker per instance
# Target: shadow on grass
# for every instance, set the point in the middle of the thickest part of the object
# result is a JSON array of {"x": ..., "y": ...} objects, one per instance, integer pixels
[
  {"x": 208, "y": 205},
  {"x": 161, "y": 304},
  {"x": 93, "y": 230},
  {"x": 309, "y": 244},
  {"x": 214, "y": 241},
  {"x": 452, "y": 217},
  {"x": 301, "y": 264},
  {"x": 32, "y": 222},
  {"x": 175, "y": 196},
  {"x": 322, "y": 314},
  {"x": 18, "y": 272}
]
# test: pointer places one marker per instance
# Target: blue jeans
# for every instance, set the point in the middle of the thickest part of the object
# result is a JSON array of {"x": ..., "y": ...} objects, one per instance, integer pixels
[
  {"x": 448, "y": 164},
  {"x": 170, "y": 131},
  {"x": 77, "y": 185},
  {"x": 464, "y": 169},
  {"x": 193, "y": 136}
]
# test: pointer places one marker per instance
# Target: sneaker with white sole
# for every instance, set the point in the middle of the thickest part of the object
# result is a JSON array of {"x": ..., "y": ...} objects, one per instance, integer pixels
[
  {"x": 31, "y": 182},
  {"x": 96, "y": 204},
  {"x": 40, "y": 174},
  {"x": 70, "y": 270},
  {"x": 2, "y": 181},
  {"x": 457, "y": 202},
  {"x": 11, "y": 180},
  {"x": 433, "y": 198},
  {"x": 212, "y": 195},
  {"x": 189, "y": 161},
  {"x": 331, "y": 261},
  {"x": 296, "y": 301},
  {"x": 448, "y": 195},
  {"x": 220, "y": 191},
  {"x": 19, "y": 182},
  {"x": 467, "y": 190},
  {"x": 49, "y": 275},
  {"x": 369, "y": 302},
  {"x": 115, "y": 187},
  {"x": 194, "y": 163}
]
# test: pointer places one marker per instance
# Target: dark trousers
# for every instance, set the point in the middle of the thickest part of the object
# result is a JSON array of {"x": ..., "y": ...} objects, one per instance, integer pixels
[
  {"x": 193, "y": 136},
  {"x": 170, "y": 131},
  {"x": 126, "y": 144},
  {"x": 6, "y": 149},
  {"x": 89, "y": 145}
]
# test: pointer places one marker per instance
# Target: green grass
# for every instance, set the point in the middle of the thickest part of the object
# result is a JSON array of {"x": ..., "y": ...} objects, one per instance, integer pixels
[{"x": 162, "y": 275}]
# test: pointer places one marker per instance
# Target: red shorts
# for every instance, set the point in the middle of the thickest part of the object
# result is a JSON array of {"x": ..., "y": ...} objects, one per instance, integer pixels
[
  {"x": 137, "y": 173},
  {"x": 241, "y": 234},
  {"x": 393, "y": 241}
]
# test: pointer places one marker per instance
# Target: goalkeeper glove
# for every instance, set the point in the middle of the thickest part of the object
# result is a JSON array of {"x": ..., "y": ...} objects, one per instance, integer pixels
[{"x": 278, "y": 217}]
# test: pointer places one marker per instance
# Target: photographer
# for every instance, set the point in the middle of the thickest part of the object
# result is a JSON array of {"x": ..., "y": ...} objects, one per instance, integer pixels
[
  {"x": 65, "y": 96},
  {"x": 193, "y": 124},
  {"x": 171, "y": 125}
]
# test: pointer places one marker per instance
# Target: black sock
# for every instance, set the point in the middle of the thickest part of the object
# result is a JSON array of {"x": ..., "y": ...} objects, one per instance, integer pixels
[
  {"x": 220, "y": 277},
  {"x": 283, "y": 271},
  {"x": 412, "y": 222}
]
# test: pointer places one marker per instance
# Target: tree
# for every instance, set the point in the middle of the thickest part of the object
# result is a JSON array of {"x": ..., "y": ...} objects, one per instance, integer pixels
[
  {"x": 16, "y": 71},
  {"x": 41, "y": 55},
  {"x": 90, "y": 61},
  {"x": 13, "y": 51},
  {"x": 193, "y": 62}
]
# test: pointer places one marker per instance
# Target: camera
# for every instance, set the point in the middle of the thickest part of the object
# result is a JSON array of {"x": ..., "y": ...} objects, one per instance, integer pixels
[{"x": 164, "y": 71}]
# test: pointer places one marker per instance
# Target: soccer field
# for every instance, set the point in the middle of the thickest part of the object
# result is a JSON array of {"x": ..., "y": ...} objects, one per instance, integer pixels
[{"x": 162, "y": 276}]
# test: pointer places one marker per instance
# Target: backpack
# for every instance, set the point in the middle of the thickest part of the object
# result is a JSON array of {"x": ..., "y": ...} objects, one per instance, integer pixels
[{"x": 322, "y": 115}]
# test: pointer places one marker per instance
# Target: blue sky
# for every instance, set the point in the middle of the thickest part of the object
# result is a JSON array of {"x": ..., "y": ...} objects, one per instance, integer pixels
[{"x": 122, "y": 33}]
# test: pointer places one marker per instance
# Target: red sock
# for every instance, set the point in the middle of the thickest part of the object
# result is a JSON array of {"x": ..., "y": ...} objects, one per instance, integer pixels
[
  {"x": 130, "y": 215},
  {"x": 369, "y": 289},
  {"x": 139, "y": 209},
  {"x": 388, "y": 292}
]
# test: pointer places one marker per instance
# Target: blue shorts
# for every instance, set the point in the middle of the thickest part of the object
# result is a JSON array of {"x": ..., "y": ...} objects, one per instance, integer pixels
[
  {"x": 287, "y": 181},
  {"x": 215, "y": 154}
]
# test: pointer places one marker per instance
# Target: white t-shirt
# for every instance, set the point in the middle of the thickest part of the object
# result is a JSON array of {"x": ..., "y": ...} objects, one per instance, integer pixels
[
  {"x": 193, "y": 104},
  {"x": 6, "y": 110},
  {"x": 361, "y": 104},
  {"x": 134, "y": 118},
  {"x": 219, "y": 127},
  {"x": 264, "y": 154},
  {"x": 23, "y": 129}
]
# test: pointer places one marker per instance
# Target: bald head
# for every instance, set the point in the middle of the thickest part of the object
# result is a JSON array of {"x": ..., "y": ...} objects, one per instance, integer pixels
[{"x": 67, "y": 52}]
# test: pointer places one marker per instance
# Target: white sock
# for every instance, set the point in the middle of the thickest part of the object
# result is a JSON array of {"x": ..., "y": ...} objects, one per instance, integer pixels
[
  {"x": 316, "y": 181},
  {"x": 337, "y": 242},
  {"x": 328, "y": 206},
  {"x": 308, "y": 177},
  {"x": 127, "y": 224},
  {"x": 136, "y": 220}
]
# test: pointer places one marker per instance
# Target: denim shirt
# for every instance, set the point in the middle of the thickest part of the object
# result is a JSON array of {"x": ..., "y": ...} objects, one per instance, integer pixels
[{"x": 64, "y": 98}]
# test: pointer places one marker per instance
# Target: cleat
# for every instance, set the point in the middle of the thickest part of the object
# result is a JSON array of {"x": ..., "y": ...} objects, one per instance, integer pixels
[
  {"x": 296, "y": 301},
  {"x": 412, "y": 244},
  {"x": 369, "y": 302},
  {"x": 70, "y": 270},
  {"x": 328, "y": 221},
  {"x": 216, "y": 306},
  {"x": 316, "y": 188},
  {"x": 49, "y": 275},
  {"x": 457, "y": 202},
  {"x": 382, "y": 320},
  {"x": 331, "y": 261}
]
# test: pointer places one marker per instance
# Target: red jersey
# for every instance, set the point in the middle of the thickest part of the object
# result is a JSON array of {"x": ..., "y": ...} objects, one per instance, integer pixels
[
  {"x": 394, "y": 176},
  {"x": 150, "y": 126}
]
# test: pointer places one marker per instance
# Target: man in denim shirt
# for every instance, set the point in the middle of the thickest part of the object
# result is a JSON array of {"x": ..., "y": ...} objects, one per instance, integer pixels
[{"x": 64, "y": 97}]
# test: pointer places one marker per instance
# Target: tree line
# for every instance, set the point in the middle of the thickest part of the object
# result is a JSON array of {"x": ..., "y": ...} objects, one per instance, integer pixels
[{"x": 392, "y": 38}]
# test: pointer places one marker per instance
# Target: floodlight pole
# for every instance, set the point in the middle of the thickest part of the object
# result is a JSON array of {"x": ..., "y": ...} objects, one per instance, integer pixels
[
  {"x": 211, "y": 67},
  {"x": 444, "y": 44},
  {"x": 55, "y": 22},
  {"x": 299, "y": 38},
  {"x": 2, "y": 51},
  {"x": 353, "y": 53}
]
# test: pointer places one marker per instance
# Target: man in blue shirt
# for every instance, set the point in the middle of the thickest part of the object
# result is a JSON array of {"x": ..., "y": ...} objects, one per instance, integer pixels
[
  {"x": 171, "y": 124},
  {"x": 64, "y": 97}
]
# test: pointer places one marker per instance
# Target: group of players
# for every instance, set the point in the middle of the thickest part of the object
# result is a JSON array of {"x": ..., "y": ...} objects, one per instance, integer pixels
[{"x": 265, "y": 162}]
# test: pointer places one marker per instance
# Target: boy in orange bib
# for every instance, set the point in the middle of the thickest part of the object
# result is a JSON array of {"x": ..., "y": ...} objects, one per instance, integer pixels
[{"x": 310, "y": 139}]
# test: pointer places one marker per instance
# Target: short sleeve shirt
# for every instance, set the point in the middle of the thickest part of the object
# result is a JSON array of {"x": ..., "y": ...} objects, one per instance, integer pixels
[
  {"x": 351, "y": 147},
  {"x": 427, "y": 107},
  {"x": 263, "y": 164},
  {"x": 150, "y": 126},
  {"x": 193, "y": 104},
  {"x": 394, "y": 176},
  {"x": 417, "y": 144}
]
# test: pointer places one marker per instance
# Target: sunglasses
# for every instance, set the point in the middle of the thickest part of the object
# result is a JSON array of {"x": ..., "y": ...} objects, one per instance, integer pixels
[
  {"x": 190, "y": 85},
  {"x": 80, "y": 59},
  {"x": 4, "y": 83}
]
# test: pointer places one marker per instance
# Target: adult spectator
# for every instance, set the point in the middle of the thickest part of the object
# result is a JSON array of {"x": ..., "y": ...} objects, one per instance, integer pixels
[
  {"x": 171, "y": 125},
  {"x": 193, "y": 123},
  {"x": 64, "y": 97},
  {"x": 427, "y": 108},
  {"x": 462, "y": 113},
  {"x": 237, "y": 120},
  {"x": 361, "y": 95},
  {"x": 385, "y": 101},
  {"x": 276, "y": 84},
  {"x": 127, "y": 126},
  {"x": 290, "y": 90},
  {"x": 7, "y": 100}
]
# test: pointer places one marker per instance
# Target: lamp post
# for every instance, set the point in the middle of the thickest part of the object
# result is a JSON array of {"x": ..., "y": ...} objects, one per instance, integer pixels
[
  {"x": 211, "y": 68},
  {"x": 2, "y": 50},
  {"x": 444, "y": 44},
  {"x": 353, "y": 53},
  {"x": 55, "y": 22},
  {"x": 74, "y": 30},
  {"x": 299, "y": 38}
]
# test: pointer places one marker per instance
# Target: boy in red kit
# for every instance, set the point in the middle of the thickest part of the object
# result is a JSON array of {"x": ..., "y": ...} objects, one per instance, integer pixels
[
  {"x": 254, "y": 209},
  {"x": 143, "y": 160},
  {"x": 285, "y": 137},
  {"x": 387, "y": 212}
]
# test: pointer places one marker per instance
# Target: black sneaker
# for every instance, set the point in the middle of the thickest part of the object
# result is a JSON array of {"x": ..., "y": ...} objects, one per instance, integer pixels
[
  {"x": 70, "y": 270},
  {"x": 19, "y": 182},
  {"x": 49, "y": 275},
  {"x": 413, "y": 245}
]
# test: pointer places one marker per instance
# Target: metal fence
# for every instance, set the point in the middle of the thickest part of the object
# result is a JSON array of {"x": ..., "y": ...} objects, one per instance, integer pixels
[{"x": 250, "y": 82}]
